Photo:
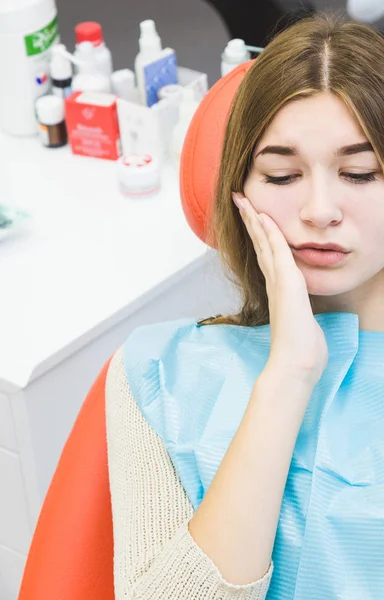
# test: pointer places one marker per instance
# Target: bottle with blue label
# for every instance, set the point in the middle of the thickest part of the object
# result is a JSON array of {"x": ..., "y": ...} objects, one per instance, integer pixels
[
  {"x": 28, "y": 30},
  {"x": 154, "y": 67}
]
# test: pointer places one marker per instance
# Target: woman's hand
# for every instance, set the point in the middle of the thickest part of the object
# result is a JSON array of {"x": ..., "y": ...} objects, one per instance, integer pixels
[{"x": 298, "y": 344}]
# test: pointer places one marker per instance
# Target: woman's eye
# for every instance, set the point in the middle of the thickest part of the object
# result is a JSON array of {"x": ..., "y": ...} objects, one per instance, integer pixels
[
  {"x": 359, "y": 177},
  {"x": 280, "y": 180},
  {"x": 353, "y": 177}
]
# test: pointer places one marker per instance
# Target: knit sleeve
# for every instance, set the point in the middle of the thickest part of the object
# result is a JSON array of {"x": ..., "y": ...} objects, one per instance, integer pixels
[{"x": 155, "y": 557}]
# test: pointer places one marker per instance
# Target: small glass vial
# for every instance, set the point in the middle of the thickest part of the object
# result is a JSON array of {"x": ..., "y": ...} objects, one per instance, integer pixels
[
  {"x": 50, "y": 111},
  {"x": 139, "y": 175}
]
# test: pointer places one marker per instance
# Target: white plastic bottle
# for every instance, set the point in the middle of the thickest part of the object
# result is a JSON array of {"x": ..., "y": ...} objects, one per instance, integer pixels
[
  {"x": 61, "y": 72},
  {"x": 150, "y": 49},
  {"x": 187, "y": 109},
  {"x": 90, "y": 31},
  {"x": 123, "y": 85},
  {"x": 234, "y": 54},
  {"x": 28, "y": 28},
  {"x": 89, "y": 78}
]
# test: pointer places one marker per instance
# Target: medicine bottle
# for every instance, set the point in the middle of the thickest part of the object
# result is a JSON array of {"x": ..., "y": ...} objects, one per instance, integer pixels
[{"x": 50, "y": 114}]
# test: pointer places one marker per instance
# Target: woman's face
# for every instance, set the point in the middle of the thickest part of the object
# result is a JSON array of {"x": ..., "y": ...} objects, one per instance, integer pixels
[{"x": 316, "y": 175}]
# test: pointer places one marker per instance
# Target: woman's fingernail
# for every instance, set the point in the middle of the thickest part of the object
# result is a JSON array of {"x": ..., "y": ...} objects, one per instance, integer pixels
[{"x": 239, "y": 203}]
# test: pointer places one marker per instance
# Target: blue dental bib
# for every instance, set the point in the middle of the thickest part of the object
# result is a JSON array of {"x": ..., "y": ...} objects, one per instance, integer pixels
[{"x": 193, "y": 384}]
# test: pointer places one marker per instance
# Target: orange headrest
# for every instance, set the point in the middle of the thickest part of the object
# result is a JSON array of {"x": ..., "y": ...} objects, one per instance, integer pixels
[{"x": 201, "y": 153}]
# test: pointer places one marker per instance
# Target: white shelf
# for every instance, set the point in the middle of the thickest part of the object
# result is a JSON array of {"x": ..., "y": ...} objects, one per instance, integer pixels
[{"x": 89, "y": 258}]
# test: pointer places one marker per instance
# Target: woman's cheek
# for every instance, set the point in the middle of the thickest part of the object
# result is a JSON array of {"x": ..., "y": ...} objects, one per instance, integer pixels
[{"x": 277, "y": 203}]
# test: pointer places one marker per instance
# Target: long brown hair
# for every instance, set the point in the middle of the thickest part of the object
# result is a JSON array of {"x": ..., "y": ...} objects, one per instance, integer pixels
[{"x": 321, "y": 53}]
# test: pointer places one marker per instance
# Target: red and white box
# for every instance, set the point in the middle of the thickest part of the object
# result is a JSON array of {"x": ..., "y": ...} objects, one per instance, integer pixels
[{"x": 92, "y": 124}]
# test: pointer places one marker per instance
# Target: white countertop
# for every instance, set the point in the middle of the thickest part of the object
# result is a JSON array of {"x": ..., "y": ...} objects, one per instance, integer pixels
[{"x": 89, "y": 258}]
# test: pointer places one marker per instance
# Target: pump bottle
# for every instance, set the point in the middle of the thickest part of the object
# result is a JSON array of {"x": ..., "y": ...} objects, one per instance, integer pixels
[
  {"x": 234, "y": 54},
  {"x": 61, "y": 72},
  {"x": 150, "y": 49}
]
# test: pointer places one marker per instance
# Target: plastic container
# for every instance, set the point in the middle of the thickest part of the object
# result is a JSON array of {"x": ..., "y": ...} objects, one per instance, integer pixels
[
  {"x": 50, "y": 111},
  {"x": 149, "y": 50},
  {"x": 138, "y": 175},
  {"x": 91, "y": 31},
  {"x": 28, "y": 28},
  {"x": 61, "y": 72},
  {"x": 187, "y": 109},
  {"x": 89, "y": 78},
  {"x": 234, "y": 54}
]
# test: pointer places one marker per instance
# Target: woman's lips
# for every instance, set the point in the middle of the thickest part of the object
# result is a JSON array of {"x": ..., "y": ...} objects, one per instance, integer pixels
[{"x": 321, "y": 258}]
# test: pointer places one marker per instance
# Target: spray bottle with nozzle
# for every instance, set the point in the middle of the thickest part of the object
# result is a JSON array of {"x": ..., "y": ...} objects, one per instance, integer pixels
[{"x": 89, "y": 77}]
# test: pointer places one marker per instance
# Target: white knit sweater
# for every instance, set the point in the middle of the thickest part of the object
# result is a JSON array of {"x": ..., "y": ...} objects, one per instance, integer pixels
[{"x": 155, "y": 557}]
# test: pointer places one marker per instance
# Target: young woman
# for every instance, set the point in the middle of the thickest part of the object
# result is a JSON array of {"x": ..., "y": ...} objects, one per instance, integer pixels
[{"x": 246, "y": 456}]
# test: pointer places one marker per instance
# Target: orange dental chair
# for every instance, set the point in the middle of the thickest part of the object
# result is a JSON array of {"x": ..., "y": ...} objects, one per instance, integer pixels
[{"x": 71, "y": 555}]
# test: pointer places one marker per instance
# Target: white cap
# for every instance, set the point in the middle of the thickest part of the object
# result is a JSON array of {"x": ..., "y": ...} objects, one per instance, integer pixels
[
  {"x": 236, "y": 50},
  {"x": 149, "y": 38},
  {"x": 138, "y": 174},
  {"x": 50, "y": 110},
  {"x": 60, "y": 67},
  {"x": 172, "y": 91}
]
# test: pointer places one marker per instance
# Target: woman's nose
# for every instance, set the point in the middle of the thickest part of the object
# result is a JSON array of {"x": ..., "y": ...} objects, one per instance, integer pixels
[{"x": 321, "y": 208}]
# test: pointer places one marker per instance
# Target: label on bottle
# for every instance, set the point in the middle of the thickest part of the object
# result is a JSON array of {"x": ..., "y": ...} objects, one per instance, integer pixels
[
  {"x": 38, "y": 50},
  {"x": 44, "y": 134}
]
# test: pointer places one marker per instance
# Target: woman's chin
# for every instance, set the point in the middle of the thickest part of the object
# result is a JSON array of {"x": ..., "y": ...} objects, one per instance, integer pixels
[{"x": 325, "y": 284}]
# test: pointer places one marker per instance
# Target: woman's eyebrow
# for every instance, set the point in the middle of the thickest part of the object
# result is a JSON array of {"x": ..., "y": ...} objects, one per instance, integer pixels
[
  {"x": 293, "y": 151},
  {"x": 355, "y": 149},
  {"x": 281, "y": 150}
]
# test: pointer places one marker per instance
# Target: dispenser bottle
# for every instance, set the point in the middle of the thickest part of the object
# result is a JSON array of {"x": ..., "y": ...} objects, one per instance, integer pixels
[
  {"x": 61, "y": 72},
  {"x": 234, "y": 54},
  {"x": 150, "y": 49}
]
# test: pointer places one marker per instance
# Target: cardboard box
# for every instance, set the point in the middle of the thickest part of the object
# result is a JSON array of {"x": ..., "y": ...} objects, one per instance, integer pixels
[{"x": 92, "y": 124}]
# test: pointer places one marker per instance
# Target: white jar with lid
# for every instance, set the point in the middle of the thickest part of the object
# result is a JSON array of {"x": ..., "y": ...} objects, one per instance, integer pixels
[
  {"x": 138, "y": 175},
  {"x": 28, "y": 28}
]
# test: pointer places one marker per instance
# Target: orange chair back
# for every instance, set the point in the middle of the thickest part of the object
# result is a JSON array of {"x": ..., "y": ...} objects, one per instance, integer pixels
[{"x": 71, "y": 555}]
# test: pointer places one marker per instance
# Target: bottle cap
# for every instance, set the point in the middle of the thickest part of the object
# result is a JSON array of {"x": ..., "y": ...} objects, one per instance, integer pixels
[
  {"x": 138, "y": 174},
  {"x": 236, "y": 49},
  {"x": 149, "y": 40},
  {"x": 60, "y": 67},
  {"x": 172, "y": 91},
  {"x": 50, "y": 110},
  {"x": 89, "y": 31}
]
